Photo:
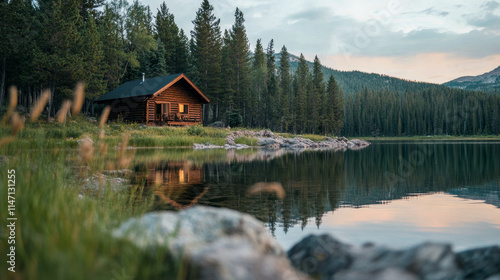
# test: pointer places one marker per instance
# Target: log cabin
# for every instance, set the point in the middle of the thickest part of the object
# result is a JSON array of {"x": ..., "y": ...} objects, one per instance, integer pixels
[{"x": 166, "y": 100}]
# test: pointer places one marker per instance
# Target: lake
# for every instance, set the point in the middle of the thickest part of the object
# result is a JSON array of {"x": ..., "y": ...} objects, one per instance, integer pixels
[{"x": 395, "y": 194}]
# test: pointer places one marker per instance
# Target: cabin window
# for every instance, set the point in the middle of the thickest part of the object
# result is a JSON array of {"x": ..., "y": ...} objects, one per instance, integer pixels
[
  {"x": 162, "y": 110},
  {"x": 181, "y": 176},
  {"x": 165, "y": 109},
  {"x": 183, "y": 108}
]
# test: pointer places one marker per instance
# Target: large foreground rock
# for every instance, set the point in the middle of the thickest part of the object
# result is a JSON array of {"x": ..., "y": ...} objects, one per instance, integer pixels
[
  {"x": 328, "y": 258},
  {"x": 480, "y": 263},
  {"x": 219, "y": 243}
]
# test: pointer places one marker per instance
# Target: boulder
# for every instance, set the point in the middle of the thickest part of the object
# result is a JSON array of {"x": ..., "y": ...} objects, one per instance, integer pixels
[
  {"x": 328, "y": 258},
  {"x": 320, "y": 255},
  {"x": 480, "y": 263},
  {"x": 218, "y": 243},
  {"x": 218, "y": 124}
]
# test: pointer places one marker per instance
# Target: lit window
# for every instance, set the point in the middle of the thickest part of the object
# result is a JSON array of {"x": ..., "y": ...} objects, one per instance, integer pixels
[
  {"x": 181, "y": 176},
  {"x": 183, "y": 108}
]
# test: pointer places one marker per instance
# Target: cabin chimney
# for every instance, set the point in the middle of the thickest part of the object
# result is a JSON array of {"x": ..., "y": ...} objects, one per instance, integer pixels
[{"x": 143, "y": 77}]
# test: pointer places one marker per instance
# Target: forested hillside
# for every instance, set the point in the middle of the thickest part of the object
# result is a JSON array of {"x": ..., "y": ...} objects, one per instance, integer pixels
[
  {"x": 489, "y": 82},
  {"x": 53, "y": 44},
  {"x": 353, "y": 81}
]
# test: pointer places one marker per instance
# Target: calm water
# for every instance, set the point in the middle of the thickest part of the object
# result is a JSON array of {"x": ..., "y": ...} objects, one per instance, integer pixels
[{"x": 390, "y": 193}]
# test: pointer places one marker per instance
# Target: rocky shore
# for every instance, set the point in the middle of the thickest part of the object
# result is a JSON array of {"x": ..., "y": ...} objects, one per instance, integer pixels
[
  {"x": 269, "y": 140},
  {"x": 220, "y": 243}
]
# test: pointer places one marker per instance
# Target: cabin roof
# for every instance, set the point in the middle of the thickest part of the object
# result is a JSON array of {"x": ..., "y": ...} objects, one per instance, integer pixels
[{"x": 149, "y": 87}]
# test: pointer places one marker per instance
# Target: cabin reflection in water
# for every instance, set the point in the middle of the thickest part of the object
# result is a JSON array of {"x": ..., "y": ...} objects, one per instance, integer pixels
[{"x": 177, "y": 184}]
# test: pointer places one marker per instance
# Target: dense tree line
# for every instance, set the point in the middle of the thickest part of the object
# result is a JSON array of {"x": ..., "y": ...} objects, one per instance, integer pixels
[
  {"x": 434, "y": 111},
  {"x": 54, "y": 44}
]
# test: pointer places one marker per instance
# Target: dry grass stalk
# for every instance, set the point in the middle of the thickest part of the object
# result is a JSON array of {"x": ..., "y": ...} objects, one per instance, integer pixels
[
  {"x": 124, "y": 160},
  {"x": 103, "y": 149},
  {"x": 61, "y": 115},
  {"x": 6, "y": 140},
  {"x": 101, "y": 134},
  {"x": 274, "y": 187},
  {"x": 12, "y": 103},
  {"x": 86, "y": 150},
  {"x": 78, "y": 99},
  {"x": 17, "y": 123},
  {"x": 37, "y": 110},
  {"x": 104, "y": 116}
]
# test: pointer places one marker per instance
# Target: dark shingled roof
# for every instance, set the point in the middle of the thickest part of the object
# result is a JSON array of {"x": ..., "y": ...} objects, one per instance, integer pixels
[{"x": 139, "y": 88}]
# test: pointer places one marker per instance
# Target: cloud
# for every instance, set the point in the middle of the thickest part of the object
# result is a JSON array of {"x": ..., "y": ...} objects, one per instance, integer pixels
[
  {"x": 491, "y": 6},
  {"x": 321, "y": 14}
]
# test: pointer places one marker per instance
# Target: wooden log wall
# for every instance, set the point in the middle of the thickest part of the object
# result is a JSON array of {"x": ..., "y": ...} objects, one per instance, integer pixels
[
  {"x": 129, "y": 109},
  {"x": 180, "y": 93}
]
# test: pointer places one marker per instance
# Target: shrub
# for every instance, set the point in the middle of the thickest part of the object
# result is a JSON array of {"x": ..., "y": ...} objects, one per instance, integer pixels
[
  {"x": 235, "y": 119},
  {"x": 195, "y": 130}
]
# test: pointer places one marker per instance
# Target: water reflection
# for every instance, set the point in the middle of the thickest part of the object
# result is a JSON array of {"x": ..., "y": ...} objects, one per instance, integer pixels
[{"x": 318, "y": 184}]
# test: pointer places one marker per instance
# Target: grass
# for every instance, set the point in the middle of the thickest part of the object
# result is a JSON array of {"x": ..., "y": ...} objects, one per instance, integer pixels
[
  {"x": 63, "y": 229},
  {"x": 56, "y": 135},
  {"x": 62, "y": 236},
  {"x": 250, "y": 141}
]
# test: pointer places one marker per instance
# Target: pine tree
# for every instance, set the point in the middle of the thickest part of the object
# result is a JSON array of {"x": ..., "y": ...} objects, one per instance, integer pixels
[
  {"x": 259, "y": 87},
  {"x": 59, "y": 60},
  {"x": 206, "y": 53},
  {"x": 227, "y": 85},
  {"x": 140, "y": 40},
  {"x": 315, "y": 96},
  {"x": 335, "y": 107},
  {"x": 285, "y": 89},
  {"x": 168, "y": 33},
  {"x": 241, "y": 64},
  {"x": 93, "y": 62},
  {"x": 272, "y": 88},
  {"x": 114, "y": 56},
  {"x": 301, "y": 78},
  {"x": 181, "y": 55}
]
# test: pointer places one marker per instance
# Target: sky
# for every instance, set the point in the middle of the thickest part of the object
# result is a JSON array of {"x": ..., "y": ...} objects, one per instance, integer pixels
[{"x": 416, "y": 40}]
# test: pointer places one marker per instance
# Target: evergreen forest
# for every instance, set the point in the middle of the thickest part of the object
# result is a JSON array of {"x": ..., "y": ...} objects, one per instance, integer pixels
[{"x": 54, "y": 44}]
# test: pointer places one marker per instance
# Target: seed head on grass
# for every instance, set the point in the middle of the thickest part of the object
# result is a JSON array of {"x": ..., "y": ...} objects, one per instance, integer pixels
[
  {"x": 274, "y": 187},
  {"x": 86, "y": 150},
  {"x": 17, "y": 123},
  {"x": 6, "y": 140},
  {"x": 124, "y": 160},
  {"x": 61, "y": 115},
  {"x": 12, "y": 103},
  {"x": 78, "y": 99},
  {"x": 104, "y": 116},
  {"x": 39, "y": 105}
]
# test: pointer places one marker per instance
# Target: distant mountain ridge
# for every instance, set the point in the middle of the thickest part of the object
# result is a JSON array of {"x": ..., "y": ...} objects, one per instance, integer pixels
[
  {"x": 489, "y": 82},
  {"x": 355, "y": 81}
]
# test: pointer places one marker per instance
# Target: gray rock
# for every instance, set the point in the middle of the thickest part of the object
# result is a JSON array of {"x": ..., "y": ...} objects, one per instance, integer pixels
[
  {"x": 320, "y": 255},
  {"x": 386, "y": 274},
  {"x": 480, "y": 263},
  {"x": 230, "y": 140},
  {"x": 343, "y": 139},
  {"x": 218, "y": 243},
  {"x": 217, "y": 124},
  {"x": 427, "y": 261},
  {"x": 326, "y": 257},
  {"x": 266, "y": 141},
  {"x": 237, "y": 259},
  {"x": 189, "y": 230}
]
